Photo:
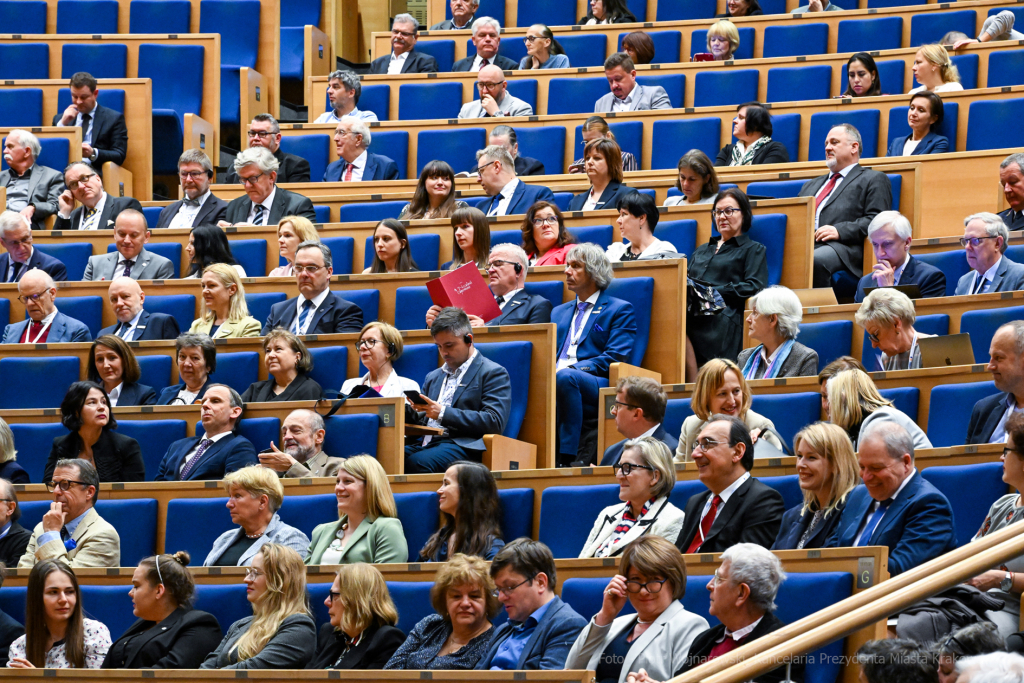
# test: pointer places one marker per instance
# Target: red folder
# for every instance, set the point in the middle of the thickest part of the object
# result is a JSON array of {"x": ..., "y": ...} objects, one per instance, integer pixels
[{"x": 465, "y": 288}]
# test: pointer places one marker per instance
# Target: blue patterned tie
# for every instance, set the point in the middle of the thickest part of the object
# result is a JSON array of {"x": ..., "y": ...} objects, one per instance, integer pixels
[
  {"x": 300, "y": 322},
  {"x": 577, "y": 321},
  {"x": 258, "y": 217},
  {"x": 190, "y": 465}
]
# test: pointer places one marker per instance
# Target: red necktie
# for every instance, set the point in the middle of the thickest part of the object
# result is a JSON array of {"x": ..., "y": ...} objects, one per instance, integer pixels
[
  {"x": 484, "y": 62},
  {"x": 348, "y": 172},
  {"x": 826, "y": 191},
  {"x": 724, "y": 647},
  {"x": 705, "y": 525}
]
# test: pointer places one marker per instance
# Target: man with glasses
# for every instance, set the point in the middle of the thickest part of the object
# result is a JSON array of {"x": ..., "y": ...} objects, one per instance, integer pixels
[
  {"x": 495, "y": 99},
  {"x": 496, "y": 173},
  {"x": 890, "y": 235},
  {"x": 44, "y": 324},
  {"x": 541, "y": 628},
  {"x": 264, "y": 131},
  {"x": 32, "y": 189},
  {"x": 264, "y": 203},
  {"x": 486, "y": 40},
  {"x": 1006, "y": 363},
  {"x": 404, "y": 57},
  {"x": 104, "y": 132},
  {"x": 462, "y": 16},
  {"x": 351, "y": 138},
  {"x": 736, "y": 508},
  {"x": 13, "y": 537},
  {"x": 130, "y": 259},
  {"x": 98, "y": 210},
  {"x": 639, "y": 409},
  {"x": 985, "y": 240},
  {"x": 19, "y": 255},
  {"x": 316, "y": 310},
  {"x": 199, "y": 206},
  {"x": 71, "y": 531},
  {"x": 1011, "y": 179}
]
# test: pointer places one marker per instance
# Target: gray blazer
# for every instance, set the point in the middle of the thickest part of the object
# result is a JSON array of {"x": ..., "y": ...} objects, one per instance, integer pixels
[
  {"x": 277, "y": 532},
  {"x": 292, "y": 647},
  {"x": 320, "y": 465},
  {"x": 661, "y": 650},
  {"x": 148, "y": 266},
  {"x": 44, "y": 188},
  {"x": 645, "y": 98},
  {"x": 1009, "y": 277},
  {"x": 890, "y": 414},
  {"x": 801, "y": 362},
  {"x": 509, "y": 106}
]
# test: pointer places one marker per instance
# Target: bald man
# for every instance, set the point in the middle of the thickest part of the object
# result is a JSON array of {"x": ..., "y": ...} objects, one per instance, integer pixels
[
  {"x": 494, "y": 97},
  {"x": 130, "y": 258},
  {"x": 134, "y": 323},
  {"x": 45, "y": 324}
]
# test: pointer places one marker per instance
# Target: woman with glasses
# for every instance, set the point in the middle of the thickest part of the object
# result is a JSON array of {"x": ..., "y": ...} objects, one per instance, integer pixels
[
  {"x": 542, "y": 50},
  {"x": 652, "y": 576},
  {"x": 368, "y": 528},
  {"x": 291, "y": 232},
  {"x": 456, "y": 637},
  {"x": 888, "y": 316},
  {"x": 970, "y": 641},
  {"x": 752, "y": 128},
  {"x": 207, "y": 244},
  {"x": 255, "y": 495},
  {"x": 288, "y": 363},
  {"x": 472, "y": 238},
  {"x": 280, "y": 634},
  {"x": 646, "y": 476},
  {"x": 169, "y": 634},
  {"x": 854, "y": 403},
  {"x": 545, "y": 238},
  {"x": 774, "y": 320},
  {"x": 391, "y": 253},
  {"x": 435, "y": 194},
  {"x": 361, "y": 633},
  {"x": 379, "y": 346},
  {"x": 470, "y": 515},
  {"x": 603, "y": 165},
  {"x": 223, "y": 313},
  {"x": 112, "y": 363}
]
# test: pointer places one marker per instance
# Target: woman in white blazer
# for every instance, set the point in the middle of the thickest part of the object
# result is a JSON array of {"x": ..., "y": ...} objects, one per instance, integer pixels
[
  {"x": 657, "y": 638},
  {"x": 646, "y": 475},
  {"x": 379, "y": 346}
]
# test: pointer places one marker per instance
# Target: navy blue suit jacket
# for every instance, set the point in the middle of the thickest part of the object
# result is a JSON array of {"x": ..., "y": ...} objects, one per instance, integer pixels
[
  {"x": 151, "y": 326},
  {"x": 550, "y": 643},
  {"x": 168, "y": 394},
  {"x": 135, "y": 394},
  {"x": 608, "y": 336},
  {"x": 62, "y": 329},
  {"x": 524, "y": 309},
  {"x": 39, "y": 260},
  {"x": 1012, "y": 222},
  {"x": 523, "y": 198},
  {"x": 614, "y": 452},
  {"x": 378, "y": 167},
  {"x": 333, "y": 316},
  {"x": 932, "y": 143},
  {"x": 930, "y": 279},
  {"x": 609, "y": 199},
  {"x": 795, "y": 522},
  {"x": 227, "y": 455},
  {"x": 984, "y": 418},
  {"x": 917, "y": 527}
]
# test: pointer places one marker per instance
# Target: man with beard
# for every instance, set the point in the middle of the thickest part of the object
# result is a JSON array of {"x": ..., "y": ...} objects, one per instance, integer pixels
[
  {"x": 302, "y": 436},
  {"x": 199, "y": 206}
]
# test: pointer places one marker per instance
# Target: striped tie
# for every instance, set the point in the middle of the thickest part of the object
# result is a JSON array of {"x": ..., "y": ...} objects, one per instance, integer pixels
[{"x": 258, "y": 217}]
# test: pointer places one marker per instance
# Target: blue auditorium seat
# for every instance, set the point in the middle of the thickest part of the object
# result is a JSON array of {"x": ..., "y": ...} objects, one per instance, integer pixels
[
  {"x": 798, "y": 83},
  {"x": 515, "y": 357},
  {"x": 225, "y": 601},
  {"x": 457, "y": 146},
  {"x": 24, "y": 60},
  {"x": 795, "y": 41},
  {"x": 898, "y": 125},
  {"x": 1005, "y": 67},
  {"x": 5, "y": 310},
  {"x": 890, "y": 74},
  {"x": 177, "y": 75},
  {"x": 525, "y": 89},
  {"x": 692, "y": 9},
  {"x": 184, "y": 534},
  {"x": 108, "y": 60},
  {"x": 601, "y": 235},
  {"x": 156, "y": 371},
  {"x": 375, "y": 98},
  {"x": 33, "y": 441},
  {"x": 786, "y": 129},
  {"x": 516, "y": 513},
  {"x": 585, "y": 49},
  {"x": 639, "y": 291},
  {"x": 550, "y": 290},
  {"x": 866, "y": 35},
  {"x": 553, "y": 14},
  {"x": 770, "y": 230},
  {"x": 160, "y": 16},
  {"x": 433, "y": 100},
  {"x": 562, "y": 200},
  {"x": 949, "y": 411},
  {"x": 238, "y": 23},
  {"x": 544, "y": 143},
  {"x": 21, "y": 107},
  {"x": 699, "y": 43},
  {"x": 1018, "y": 13},
  {"x": 306, "y": 512},
  {"x": 789, "y": 412},
  {"x": 368, "y": 300},
  {"x": 906, "y": 399},
  {"x": 672, "y": 139},
  {"x": 681, "y": 233},
  {"x": 992, "y": 124},
  {"x": 629, "y": 135},
  {"x": 970, "y": 503},
  {"x": 329, "y": 365},
  {"x": 866, "y": 121},
  {"x": 316, "y": 149},
  {"x": 152, "y": 214},
  {"x": 322, "y": 213},
  {"x": 411, "y": 304},
  {"x": 425, "y": 249},
  {"x": 251, "y": 255},
  {"x": 722, "y": 87},
  {"x": 788, "y": 487},
  {"x": 677, "y": 410},
  {"x": 419, "y": 514},
  {"x": 575, "y": 95},
  {"x": 237, "y": 370},
  {"x": 23, "y": 16},
  {"x": 831, "y": 339},
  {"x": 982, "y": 324},
  {"x": 666, "y": 46},
  {"x": 412, "y": 598},
  {"x": 74, "y": 255},
  {"x": 85, "y": 309},
  {"x": 182, "y": 307},
  {"x": 260, "y": 303},
  {"x": 370, "y": 211},
  {"x": 417, "y": 361},
  {"x": 87, "y": 16},
  {"x": 354, "y": 434},
  {"x": 931, "y": 26},
  {"x": 394, "y": 145},
  {"x": 953, "y": 263},
  {"x": 967, "y": 67},
  {"x": 512, "y": 49},
  {"x": 154, "y": 436},
  {"x": 674, "y": 85},
  {"x": 342, "y": 249},
  {"x": 567, "y": 515},
  {"x": 441, "y": 50},
  {"x": 776, "y": 189},
  {"x": 293, "y": 52}
]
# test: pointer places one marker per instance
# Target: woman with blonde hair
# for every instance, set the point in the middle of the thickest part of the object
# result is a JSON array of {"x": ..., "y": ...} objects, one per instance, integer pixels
[
  {"x": 288, "y": 363},
  {"x": 291, "y": 232},
  {"x": 361, "y": 633},
  {"x": 721, "y": 389},
  {"x": 472, "y": 238},
  {"x": 223, "y": 313},
  {"x": 9, "y": 469},
  {"x": 379, "y": 346},
  {"x": 854, "y": 403},
  {"x": 368, "y": 528},
  {"x": 280, "y": 634},
  {"x": 827, "y": 469},
  {"x": 935, "y": 71},
  {"x": 723, "y": 40}
]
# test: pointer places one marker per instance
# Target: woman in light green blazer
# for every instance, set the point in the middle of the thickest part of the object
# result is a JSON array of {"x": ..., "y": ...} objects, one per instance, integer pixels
[
  {"x": 368, "y": 528},
  {"x": 223, "y": 312}
]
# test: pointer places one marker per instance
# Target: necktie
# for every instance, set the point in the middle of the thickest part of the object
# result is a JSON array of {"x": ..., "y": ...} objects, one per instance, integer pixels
[
  {"x": 495, "y": 203},
  {"x": 499, "y": 300},
  {"x": 86, "y": 136},
  {"x": 981, "y": 285},
  {"x": 484, "y": 62},
  {"x": 257, "y": 219},
  {"x": 203, "y": 445},
  {"x": 705, "y": 526},
  {"x": 64, "y": 535},
  {"x": 17, "y": 271},
  {"x": 128, "y": 268},
  {"x": 577, "y": 321},
  {"x": 87, "y": 219},
  {"x": 300, "y": 322},
  {"x": 876, "y": 517},
  {"x": 123, "y": 332},
  {"x": 348, "y": 172},
  {"x": 190, "y": 202},
  {"x": 827, "y": 190}
]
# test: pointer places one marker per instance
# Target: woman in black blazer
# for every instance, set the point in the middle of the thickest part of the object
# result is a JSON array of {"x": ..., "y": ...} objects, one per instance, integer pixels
[
  {"x": 85, "y": 412},
  {"x": 752, "y": 129},
  {"x": 112, "y": 363},
  {"x": 288, "y": 362},
  {"x": 607, "y": 12},
  {"x": 169, "y": 633},
  {"x": 602, "y": 161},
  {"x": 362, "y": 633},
  {"x": 828, "y": 471}
]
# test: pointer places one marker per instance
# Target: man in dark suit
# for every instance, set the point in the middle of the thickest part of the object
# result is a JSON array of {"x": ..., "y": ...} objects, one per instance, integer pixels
[
  {"x": 264, "y": 202},
  {"x": 988, "y": 418},
  {"x": 98, "y": 210},
  {"x": 896, "y": 507},
  {"x": 847, "y": 199},
  {"x": 496, "y": 172},
  {"x": 265, "y": 131},
  {"x": 639, "y": 410},
  {"x": 32, "y": 190},
  {"x": 463, "y": 14},
  {"x": 985, "y": 240},
  {"x": 541, "y": 628},
  {"x": 317, "y": 310},
  {"x": 404, "y": 58},
  {"x": 13, "y": 537},
  {"x": 736, "y": 507},
  {"x": 104, "y": 132},
  {"x": 44, "y": 324},
  {"x": 351, "y": 138},
  {"x": 20, "y": 256},
  {"x": 891, "y": 234},
  {"x": 130, "y": 258},
  {"x": 468, "y": 397},
  {"x": 486, "y": 40},
  {"x": 135, "y": 323},
  {"x": 220, "y": 450},
  {"x": 200, "y": 206},
  {"x": 1011, "y": 177},
  {"x": 505, "y": 136}
]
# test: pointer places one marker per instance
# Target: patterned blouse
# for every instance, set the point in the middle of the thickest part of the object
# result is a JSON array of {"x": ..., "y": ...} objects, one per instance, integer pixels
[
  {"x": 97, "y": 642},
  {"x": 419, "y": 651},
  {"x": 1002, "y": 514}
]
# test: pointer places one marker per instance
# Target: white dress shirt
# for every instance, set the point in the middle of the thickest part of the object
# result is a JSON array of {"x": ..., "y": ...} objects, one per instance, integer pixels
[
  {"x": 358, "y": 166},
  {"x": 299, "y": 303},
  {"x": 114, "y": 394},
  {"x": 873, "y": 507},
  {"x": 396, "y": 63},
  {"x": 843, "y": 173},
  {"x": 131, "y": 327},
  {"x": 574, "y": 342},
  {"x": 508, "y": 297},
  {"x": 989, "y": 276},
  {"x": 186, "y": 215},
  {"x": 506, "y": 198},
  {"x": 623, "y": 104},
  {"x": 266, "y": 204}
]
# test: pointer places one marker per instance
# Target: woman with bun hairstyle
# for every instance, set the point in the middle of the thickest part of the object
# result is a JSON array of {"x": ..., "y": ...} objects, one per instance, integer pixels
[{"x": 169, "y": 633}]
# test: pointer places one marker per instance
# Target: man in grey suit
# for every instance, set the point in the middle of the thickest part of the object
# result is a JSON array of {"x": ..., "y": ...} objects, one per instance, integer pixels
[
  {"x": 984, "y": 241},
  {"x": 32, "y": 190},
  {"x": 199, "y": 206},
  {"x": 495, "y": 99},
  {"x": 265, "y": 203},
  {"x": 625, "y": 94},
  {"x": 847, "y": 198},
  {"x": 44, "y": 324},
  {"x": 98, "y": 210},
  {"x": 130, "y": 258},
  {"x": 463, "y": 12}
]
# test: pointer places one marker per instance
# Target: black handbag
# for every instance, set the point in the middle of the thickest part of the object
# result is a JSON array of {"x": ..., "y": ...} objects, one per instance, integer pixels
[{"x": 702, "y": 298}]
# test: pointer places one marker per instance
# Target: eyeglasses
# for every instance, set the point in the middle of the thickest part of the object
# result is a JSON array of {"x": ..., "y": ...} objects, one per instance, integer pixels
[
  {"x": 489, "y": 86},
  {"x": 975, "y": 241},
  {"x": 480, "y": 169},
  {"x": 952, "y": 646},
  {"x": 619, "y": 405},
  {"x": 1006, "y": 451},
  {"x": 634, "y": 586},
  {"x": 407, "y": 34},
  {"x": 717, "y": 579},
  {"x": 75, "y": 184},
  {"x": 251, "y": 180},
  {"x": 706, "y": 444},
  {"x": 727, "y": 212},
  {"x": 261, "y": 134},
  {"x": 195, "y": 175},
  {"x": 367, "y": 343},
  {"x": 507, "y": 592},
  {"x": 530, "y": 39},
  {"x": 33, "y": 297},
  {"x": 498, "y": 263},
  {"x": 872, "y": 337},
  {"x": 307, "y": 269},
  {"x": 63, "y": 484},
  {"x": 628, "y": 467},
  {"x": 253, "y": 574},
  {"x": 333, "y": 595},
  {"x": 550, "y": 220}
]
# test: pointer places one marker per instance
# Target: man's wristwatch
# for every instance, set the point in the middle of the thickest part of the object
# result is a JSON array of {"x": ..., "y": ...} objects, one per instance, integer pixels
[{"x": 1006, "y": 585}]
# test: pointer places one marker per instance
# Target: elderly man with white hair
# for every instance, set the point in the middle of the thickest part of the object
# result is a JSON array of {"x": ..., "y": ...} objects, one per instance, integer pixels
[
  {"x": 44, "y": 324},
  {"x": 32, "y": 190},
  {"x": 463, "y": 12},
  {"x": 351, "y": 138},
  {"x": 495, "y": 99},
  {"x": 891, "y": 234},
  {"x": 264, "y": 203},
  {"x": 774, "y": 320},
  {"x": 994, "y": 667},
  {"x": 404, "y": 57},
  {"x": 20, "y": 256},
  {"x": 486, "y": 40},
  {"x": 985, "y": 239},
  {"x": 888, "y": 317},
  {"x": 496, "y": 173}
]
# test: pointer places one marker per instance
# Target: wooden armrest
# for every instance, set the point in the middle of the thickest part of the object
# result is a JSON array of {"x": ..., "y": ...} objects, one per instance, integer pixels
[
  {"x": 422, "y": 430},
  {"x": 117, "y": 180},
  {"x": 255, "y": 95},
  {"x": 201, "y": 134},
  {"x": 617, "y": 371},
  {"x": 318, "y": 61},
  {"x": 504, "y": 453}
]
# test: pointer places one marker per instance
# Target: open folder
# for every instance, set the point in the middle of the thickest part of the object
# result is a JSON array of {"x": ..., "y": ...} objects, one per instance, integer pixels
[{"x": 465, "y": 288}]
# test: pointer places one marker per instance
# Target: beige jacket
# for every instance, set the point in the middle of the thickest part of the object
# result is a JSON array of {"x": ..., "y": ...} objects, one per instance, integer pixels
[
  {"x": 246, "y": 327},
  {"x": 693, "y": 424},
  {"x": 320, "y": 465},
  {"x": 98, "y": 545}
]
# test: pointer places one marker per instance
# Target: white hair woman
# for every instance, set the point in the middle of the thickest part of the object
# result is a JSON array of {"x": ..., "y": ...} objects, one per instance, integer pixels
[
  {"x": 888, "y": 317},
  {"x": 774, "y": 320}
]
